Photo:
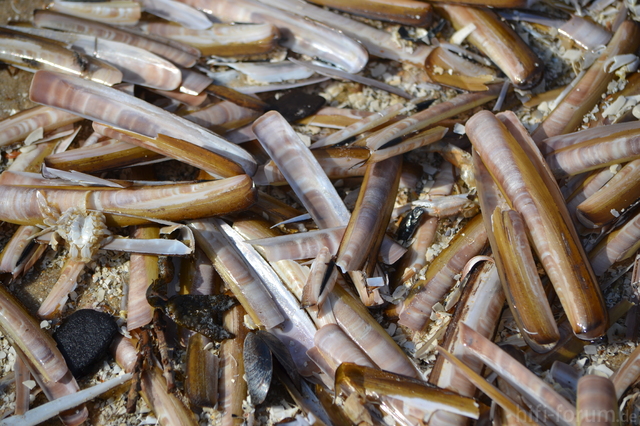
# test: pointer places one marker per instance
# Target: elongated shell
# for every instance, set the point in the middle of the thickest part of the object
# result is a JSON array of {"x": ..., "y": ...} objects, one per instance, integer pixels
[
  {"x": 112, "y": 107},
  {"x": 302, "y": 36},
  {"x": 113, "y": 12},
  {"x": 178, "y": 53},
  {"x": 519, "y": 172},
  {"x": 20, "y": 125},
  {"x": 171, "y": 202},
  {"x": 32, "y": 53}
]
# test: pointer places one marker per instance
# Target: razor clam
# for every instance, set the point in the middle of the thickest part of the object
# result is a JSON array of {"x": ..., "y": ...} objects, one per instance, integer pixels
[
  {"x": 533, "y": 389},
  {"x": 138, "y": 66},
  {"x": 616, "y": 196},
  {"x": 301, "y": 170},
  {"x": 525, "y": 294},
  {"x": 406, "y": 12},
  {"x": 501, "y": 399},
  {"x": 221, "y": 39},
  {"x": 167, "y": 407},
  {"x": 356, "y": 78},
  {"x": 567, "y": 116},
  {"x": 21, "y": 124},
  {"x": 297, "y": 330},
  {"x": 439, "y": 279},
  {"x": 498, "y": 41},
  {"x": 430, "y": 116},
  {"x": 596, "y": 401},
  {"x": 368, "y": 223},
  {"x": 304, "y": 245},
  {"x": 47, "y": 411},
  {"x": 177, "y": 53},
  {"x": 355, "y": 320},
  {"x": 101, "y": 156},
  {"x": 270, "y": 72},
  {"x": 480, "y": 305},
  {"x": 302, "y": 36},
  {"x": 112, "y": 107},
  {"x": 119, "y": 12},
  {"x": 223, "y": 115},
  {"x": 618, "y": 245},
  {"x": 335, "y": 347},
  {"x": 519, "y": 171},
  {"x": 143, "y": 271},
  {"x": 32, "y": 53},
  {"x": 410, "y": 395},
  {"x": 232, "y": 387},
  {"x": 322, "y": 278},
  {"x": 422, "y": 139},
  {"x": 179, "y": 96},
  {"x": 243, "y": 281},
  {"x": 169, "y": 202},
  {"x": 177, "y": 12}
]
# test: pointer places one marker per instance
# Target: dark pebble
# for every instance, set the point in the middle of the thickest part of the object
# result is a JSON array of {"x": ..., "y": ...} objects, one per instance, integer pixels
[{"x": 84, "y": 338}]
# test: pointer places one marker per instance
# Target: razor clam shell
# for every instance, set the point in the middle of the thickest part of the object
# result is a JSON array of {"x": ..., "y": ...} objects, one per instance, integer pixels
[
  {"x": 359, "y": 126},
  {"x": 431, "y": 116},
  {"x": 166, "y": 406},
  {"x": 194, "y": 82},
  {"x": 117, "y": 12},
  {"x": 439, "y": 279},
  {"x": 177, "y": 12},
  {"x": 270, "y": 72},
  {"x": 112, "y": 107},
  {"x": 57, "y": 298},
  {"x": 422, "y": 139},
  {"x": 378, "y": 43},
  {"x": 620, "y": 244},
  {"x": 356, "y": 321},
  {"x": 446, "y": 67},
  {"x": 336, "y": 163},
  {"x": 183, "y": 55},
  {"x": 101, "y": 156},
  {"x": 518, "y": 273},
  {"x": 182, "y": 97},
  {"x": 32, "y": 53},
  {"x": 336, "y": 347},
  {"x": 143, "y": 270},
  {"x": 20, "y": 125},
  {"x": 223, "y": 114},
  {"x": 627, "y": 373},
  {"x": 588, "y": 187},
  {"x": 567, "y": 116},
  {"x": 232, "y": 387},
  {"x": 356, "y": 78},
  {"x": 25, "y": 334},
  {"x": 596, "y": 402},
  {"x": 320, "y": 281},
  {"x": 221, "y": 39},
  {"x": 14, "y": 250},
  {"x": 301, "y": 170},
  {"x": 170, "y": 202},
  {"x": 586, "y": 33},
  {"x": 498, "y": 41},
  {"x": 299, "y": 35},
  {"x": 517, "y": 375},
  {"x": 237, "y": 274},
  {"x": 615, "y": 197},
  {"x": 593, "y": 155},
  {"x": 297, "y": 330},
  {"x": 406, "y": 12},
  {"x": 304, "y": 245},
  {"x": 138, "y": 66},
  {"x": 47, "y": 411},
  {"x": 370, "y": 217},
  {"x": 481, "y": 305},
  {"x": 411, "y": 397},
  {"x": 519, "y": 171},
  {"x": 589, "y": 136}
]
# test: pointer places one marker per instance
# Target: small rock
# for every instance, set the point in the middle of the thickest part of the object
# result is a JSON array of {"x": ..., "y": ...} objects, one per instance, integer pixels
[{"x": 84, "y": 338}]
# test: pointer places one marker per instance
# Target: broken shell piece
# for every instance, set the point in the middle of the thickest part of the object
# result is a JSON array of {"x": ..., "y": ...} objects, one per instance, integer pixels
[{"x": 119, "y": 12}]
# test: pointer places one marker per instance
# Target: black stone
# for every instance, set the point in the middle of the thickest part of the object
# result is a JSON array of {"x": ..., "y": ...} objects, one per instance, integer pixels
[
  {"x": 297, "y": 105},
  {"x": 84, "y": 338}
]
